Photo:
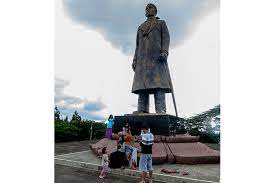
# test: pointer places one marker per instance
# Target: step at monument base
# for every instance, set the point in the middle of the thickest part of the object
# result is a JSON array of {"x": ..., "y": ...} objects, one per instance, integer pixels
[{"x": 167, "y": 152}]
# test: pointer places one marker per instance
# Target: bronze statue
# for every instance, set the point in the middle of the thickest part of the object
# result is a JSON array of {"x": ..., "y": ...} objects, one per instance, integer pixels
[{"x": 149, "y": 63}]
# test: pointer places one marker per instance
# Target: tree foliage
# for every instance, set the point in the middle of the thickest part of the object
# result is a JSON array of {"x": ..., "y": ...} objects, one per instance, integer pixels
[
  {"x": 77, "y": 128},
  {"x": 56, "y": 114},
  {"x": 99, "y": 130},
  {"x": 76, "y": 118},
  {"x": 206, "y": 125},
  {"x": 65, "y": 132}
]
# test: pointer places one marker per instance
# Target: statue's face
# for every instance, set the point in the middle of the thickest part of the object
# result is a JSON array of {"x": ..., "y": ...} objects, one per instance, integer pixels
[{"x": 150, "y": 11}]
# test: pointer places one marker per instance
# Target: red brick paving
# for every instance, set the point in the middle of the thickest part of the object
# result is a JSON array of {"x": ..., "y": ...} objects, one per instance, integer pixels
[{"x": 183, "y": 149}]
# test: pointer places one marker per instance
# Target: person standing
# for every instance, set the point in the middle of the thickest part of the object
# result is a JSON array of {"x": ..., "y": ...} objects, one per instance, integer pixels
[
  {"x": 126, "y": 129},
  {"x": 146, "y": 161},
  {"x": 104, "y": 163},
  {"x": 109, "y": 127}
]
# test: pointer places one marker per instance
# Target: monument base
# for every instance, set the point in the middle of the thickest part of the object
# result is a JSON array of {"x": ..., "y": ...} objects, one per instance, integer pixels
[
  {"x": 159, "y": 124},
  {"x": 180, "y": 149}
]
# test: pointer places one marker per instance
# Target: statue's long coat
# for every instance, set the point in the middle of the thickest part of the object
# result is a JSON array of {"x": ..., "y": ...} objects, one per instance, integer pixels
[{"x": 151, "y": 73}]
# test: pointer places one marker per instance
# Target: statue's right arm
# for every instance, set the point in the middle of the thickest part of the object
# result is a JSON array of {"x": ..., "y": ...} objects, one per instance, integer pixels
[{"x": 135, "y": 56}]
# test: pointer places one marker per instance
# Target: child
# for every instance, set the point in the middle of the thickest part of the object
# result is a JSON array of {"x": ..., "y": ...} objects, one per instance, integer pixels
[
  {"x": 109, "y": 127},
  {"x": 134, "y": 159},
  {"x": 104, "y": 163},
  {"x": 121, "y": 139},
  {"x": 126, "y": 129},
  {"x": 129, "y": 139}
]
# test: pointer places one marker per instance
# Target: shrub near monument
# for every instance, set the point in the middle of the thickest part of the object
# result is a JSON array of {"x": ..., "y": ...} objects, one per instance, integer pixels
[
  {"x": 66, "y": 131},
  {"x": 76, "y": 129}
]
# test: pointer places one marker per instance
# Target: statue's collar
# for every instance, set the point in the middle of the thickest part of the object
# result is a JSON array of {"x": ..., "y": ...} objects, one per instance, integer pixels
[
  {"x": 152, "y": 18},
  {"x": 148, "y": 25}
]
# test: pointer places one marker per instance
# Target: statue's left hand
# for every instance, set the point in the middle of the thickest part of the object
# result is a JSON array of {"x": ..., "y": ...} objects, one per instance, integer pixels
[
  {"x": 134, "y": 64},
  {"x": 163, "y": 56}
]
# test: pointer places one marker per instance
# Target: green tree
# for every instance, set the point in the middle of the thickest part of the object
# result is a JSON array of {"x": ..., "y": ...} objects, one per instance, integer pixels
[
  {"x": 206, "y": 125},
  {"x": 56, "y": 114},
  {"x": 76, "y": 118},
  {"x": 65, "y": 132},
  {"x": 99, "y": 130},
  {"x": 78, "y": 129},
  {"x": 66, "y": 119}
]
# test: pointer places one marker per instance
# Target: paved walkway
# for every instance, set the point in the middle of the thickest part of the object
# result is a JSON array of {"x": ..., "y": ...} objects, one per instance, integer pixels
[
  {"x": 80, "y": 152},
  {"x": 67, "y": 174},
  {"x": 209, "y": 172},
  {"x": 69, "y": 147}
]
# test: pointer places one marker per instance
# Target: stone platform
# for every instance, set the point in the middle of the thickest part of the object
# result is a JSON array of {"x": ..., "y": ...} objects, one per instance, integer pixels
[
  {"x": 181, "y": 149},
  {"x": 160, "y": 124}
]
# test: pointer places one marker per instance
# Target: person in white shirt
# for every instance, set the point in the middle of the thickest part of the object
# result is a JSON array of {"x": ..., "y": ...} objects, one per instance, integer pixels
[{"x": 146, "y": 160}]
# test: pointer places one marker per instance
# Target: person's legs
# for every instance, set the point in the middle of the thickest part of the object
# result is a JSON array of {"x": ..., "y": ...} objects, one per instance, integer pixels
[
  {"x": 143, "y": 102},
  {"x": 150, "y": 168},
  {"x": 134, "y": 159},
  {"x": 160, "y": 105},
  {"x": 101, "y": 173},
  {"x": 104, "y": 173},
  {"x": 150, "y": 176},
  {"x": 109, "y": 133},
  {"x": 143, "y": 177},
  {"x": 143, "y": 167}
]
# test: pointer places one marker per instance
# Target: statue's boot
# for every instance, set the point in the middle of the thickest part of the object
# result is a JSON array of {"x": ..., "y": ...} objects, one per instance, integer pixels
[
  {"x": 140, "y": 112},
  {"x": 143, "y": 103},
  {"x": 160, "y": 104}
]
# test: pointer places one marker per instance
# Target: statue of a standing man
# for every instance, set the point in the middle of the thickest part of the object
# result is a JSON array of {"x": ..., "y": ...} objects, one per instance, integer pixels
[{"x": 151, "y": 76}]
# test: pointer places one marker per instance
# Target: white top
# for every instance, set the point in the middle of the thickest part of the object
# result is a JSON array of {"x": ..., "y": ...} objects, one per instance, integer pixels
[{"x": 147, "y": 138}]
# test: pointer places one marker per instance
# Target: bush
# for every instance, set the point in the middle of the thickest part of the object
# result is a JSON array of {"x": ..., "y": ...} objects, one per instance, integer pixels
[
  {"x": 99, "y": 130},
  {"x": 76, "y": 131},
  {"x": 209, "y": 138},
  {"x": 193, "y": 129},
  {"x": 84, "y": 130},
  {"x": 65, "y": 131},
  {"x": 77, "y": 128}
]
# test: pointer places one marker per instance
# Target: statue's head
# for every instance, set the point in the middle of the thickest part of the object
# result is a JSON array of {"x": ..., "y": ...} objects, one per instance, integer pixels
[{"x": 151, "y": 10}]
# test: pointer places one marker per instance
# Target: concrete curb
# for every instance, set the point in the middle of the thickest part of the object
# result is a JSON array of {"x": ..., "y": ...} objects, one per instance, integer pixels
[{"x": 129, "y": 172}]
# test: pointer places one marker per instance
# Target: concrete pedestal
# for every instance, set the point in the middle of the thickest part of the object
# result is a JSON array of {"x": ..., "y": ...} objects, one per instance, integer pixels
[{"x": 160, "y": 124}]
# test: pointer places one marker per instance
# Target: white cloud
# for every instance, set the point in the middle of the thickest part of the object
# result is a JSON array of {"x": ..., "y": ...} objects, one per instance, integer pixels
[
  {"x": 68, "y": 104},
  {"x": 98, "y": 71},
  {"x": 117, "y": 20}
]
